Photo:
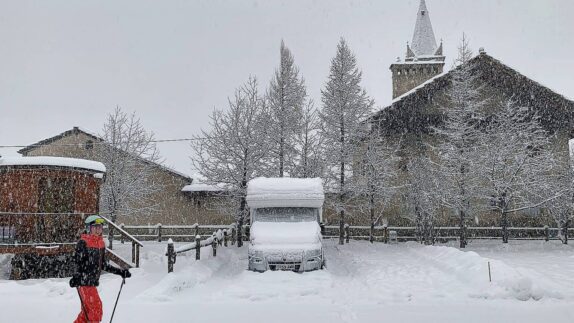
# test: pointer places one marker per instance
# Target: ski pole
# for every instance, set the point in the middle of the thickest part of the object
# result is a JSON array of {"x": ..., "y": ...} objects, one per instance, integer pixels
[
  {"x": 82, "y": 302},
  {"x": 123, "y": 282}
]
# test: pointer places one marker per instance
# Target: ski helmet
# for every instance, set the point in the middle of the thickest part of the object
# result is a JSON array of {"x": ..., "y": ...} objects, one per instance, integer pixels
[{"x": 94, "y": 219}]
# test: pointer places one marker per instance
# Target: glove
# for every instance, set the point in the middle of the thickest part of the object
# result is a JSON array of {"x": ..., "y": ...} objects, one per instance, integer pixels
[
  {"x": 125, "y": 273},
  {"x": 75, "y": 281}
]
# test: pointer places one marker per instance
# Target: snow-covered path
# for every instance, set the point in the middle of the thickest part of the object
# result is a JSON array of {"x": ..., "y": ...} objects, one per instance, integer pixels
[{"x": 363, "y": 283}]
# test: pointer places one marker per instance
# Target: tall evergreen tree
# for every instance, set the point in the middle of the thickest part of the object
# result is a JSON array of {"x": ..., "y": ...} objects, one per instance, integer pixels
[
  {"x": 345, "y": 108},
  {"x": 286, "y": 98},
  {"x": 309, "y": 161}
]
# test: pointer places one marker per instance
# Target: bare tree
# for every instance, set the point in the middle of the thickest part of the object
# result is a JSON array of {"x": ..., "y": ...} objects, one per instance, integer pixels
[
  {"x": 515, "y": 161},
  {"x": 422, "y": 193},
  {"x": 373, "y": 177},
  {"x": 232, "y": 152},
  {"x": 561, "y": 201},
  {"x": 458, "y": 135},
  {"x": 345, "y": 108},
  {"x": 286, "y": 97},
  {"x": 130, "y": 156}
]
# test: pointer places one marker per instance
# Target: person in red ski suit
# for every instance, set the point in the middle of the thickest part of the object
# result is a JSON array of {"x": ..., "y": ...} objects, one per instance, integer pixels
[{"x": 90, "y": 260}]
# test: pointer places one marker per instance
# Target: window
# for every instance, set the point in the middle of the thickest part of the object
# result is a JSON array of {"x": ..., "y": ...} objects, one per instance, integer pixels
[
  {"x": 286, "y": 214},
  {"x": 89, "y": 145}
]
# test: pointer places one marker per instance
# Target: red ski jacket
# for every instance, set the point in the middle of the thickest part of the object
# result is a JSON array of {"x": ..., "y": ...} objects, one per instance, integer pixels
[{"x": 90, "y": 260}]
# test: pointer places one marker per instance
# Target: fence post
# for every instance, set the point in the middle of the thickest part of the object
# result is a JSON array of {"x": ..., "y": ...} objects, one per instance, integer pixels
[
  {"x": 233, "y": 237},
  {"x": 197, "y": 230},
  {"x": 385, "y": 234},
  {"x": 219, "y": 234},
  {"x": 197, "y": 247},
  {"x": 170, "y": 256},
  {"x": 322, "y": 225},
  {"x": 346, "y": 233},
  {"x": 214, "y": 245},
  {"x": 137, "y": 255},
  {"x": 133, "y": 252},
  {"x": 546, "y": 233},
  {"x": 121, "y": 235},
  {"x": 159, "y": 232},
  {"x": 225, "y": 238}
]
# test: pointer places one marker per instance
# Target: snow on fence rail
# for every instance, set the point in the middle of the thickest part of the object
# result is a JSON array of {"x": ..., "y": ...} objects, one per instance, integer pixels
[
  {"x": 219, "y": 237},
  {"x": 384, "y": 233},
  {"x": 160, "y": 232}
]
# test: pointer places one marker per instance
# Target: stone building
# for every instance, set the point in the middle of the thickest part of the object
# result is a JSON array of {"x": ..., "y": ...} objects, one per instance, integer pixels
[
  {"x": 419, "y": 102},
  {"x": 171, "y": 205},
  {"x": 423, "y": 59}
]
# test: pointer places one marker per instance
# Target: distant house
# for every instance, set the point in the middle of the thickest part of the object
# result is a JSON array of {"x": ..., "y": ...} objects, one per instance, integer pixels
[
  {"x": 210, "y": 203},
  {"x": 171, "y": 204}
]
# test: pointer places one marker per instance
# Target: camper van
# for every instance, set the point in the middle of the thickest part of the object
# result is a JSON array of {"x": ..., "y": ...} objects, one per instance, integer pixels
[{"x": 285, "y": 216}]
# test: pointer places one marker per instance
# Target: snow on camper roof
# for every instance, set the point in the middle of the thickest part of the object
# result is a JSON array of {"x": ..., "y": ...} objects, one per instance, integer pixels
[
  {"x": 53, "y": 161},
  {"x": 285, "y": 191}
]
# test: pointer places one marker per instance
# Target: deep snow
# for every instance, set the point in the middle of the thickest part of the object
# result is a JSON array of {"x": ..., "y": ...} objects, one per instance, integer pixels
[{"x": 532, "y": 282}]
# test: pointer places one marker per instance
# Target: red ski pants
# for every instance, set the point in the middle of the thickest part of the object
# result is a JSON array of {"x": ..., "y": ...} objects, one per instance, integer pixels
[{"x": 91, "y": 305}]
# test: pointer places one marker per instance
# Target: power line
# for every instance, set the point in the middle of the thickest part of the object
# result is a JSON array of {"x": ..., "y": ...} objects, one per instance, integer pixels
[{"x": 97, "y": 143}]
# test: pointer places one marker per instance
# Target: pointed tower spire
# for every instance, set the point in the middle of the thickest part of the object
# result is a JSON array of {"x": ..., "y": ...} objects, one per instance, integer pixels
[
  {"x": 423, "y": 59},
  {"x": 424, "y": 42}
]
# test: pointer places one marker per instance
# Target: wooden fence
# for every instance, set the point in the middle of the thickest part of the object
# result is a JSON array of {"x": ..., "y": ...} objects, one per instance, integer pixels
[
  {"x": 443, "y": 234},
  {"x": 218, "y": 238}
]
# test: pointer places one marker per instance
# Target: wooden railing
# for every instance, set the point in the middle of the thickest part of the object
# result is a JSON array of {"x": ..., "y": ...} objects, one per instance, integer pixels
[
  {"x": 160, "y": 232},
  {"x": 218, "y": 238},
  {"x": 136, "y": 244}
]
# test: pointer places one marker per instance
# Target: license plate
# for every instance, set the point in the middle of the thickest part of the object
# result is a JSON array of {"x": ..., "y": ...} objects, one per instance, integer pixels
[{"x": 285, "y": 267}]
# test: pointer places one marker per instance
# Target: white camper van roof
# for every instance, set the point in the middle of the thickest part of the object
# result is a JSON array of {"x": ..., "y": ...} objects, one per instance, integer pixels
[{"x": 285, "y": 192}]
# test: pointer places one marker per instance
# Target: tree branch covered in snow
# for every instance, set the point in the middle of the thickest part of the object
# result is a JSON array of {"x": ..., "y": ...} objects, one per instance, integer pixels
[
  {"x": 458, "y": 137},
  {"x": 422, "y": 195},
  {"x": 130, "y": 156},
  {"x": 515, "y": 161},
  {"x": 345, "y": 107},
  {"x": 286, "y": 97},
  {"x": 373, "y": 177},
  {"x": 309, "y": 161},
  {"x": 232, "y": 151}
]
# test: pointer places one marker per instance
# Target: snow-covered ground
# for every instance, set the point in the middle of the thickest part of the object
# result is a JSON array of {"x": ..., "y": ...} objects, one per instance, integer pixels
[{"x": 532, "y": 282}]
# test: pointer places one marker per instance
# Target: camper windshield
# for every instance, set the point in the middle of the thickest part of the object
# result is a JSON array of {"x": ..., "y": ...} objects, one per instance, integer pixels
[{"x": 286, "y": 214}]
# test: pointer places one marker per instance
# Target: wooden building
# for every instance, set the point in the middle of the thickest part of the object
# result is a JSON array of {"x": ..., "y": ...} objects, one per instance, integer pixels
[{"x": 43, "y": 203}]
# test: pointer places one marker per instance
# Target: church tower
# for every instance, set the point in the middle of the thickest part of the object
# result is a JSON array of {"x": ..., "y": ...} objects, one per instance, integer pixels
[{"x": 423, "y": 59}]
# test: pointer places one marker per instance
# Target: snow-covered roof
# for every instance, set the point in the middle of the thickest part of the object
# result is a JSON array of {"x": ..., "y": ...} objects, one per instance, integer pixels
[
  {"x": 424, "y": 42},
  {"x": 408, "y": 113},
  {"x": 201, "y": 187},
  {"x": 413, "y": 90},
  {"x": 53, "y": 161},
  {"x": 76, "y": 130},
  {"x": 285, "y": 191}
]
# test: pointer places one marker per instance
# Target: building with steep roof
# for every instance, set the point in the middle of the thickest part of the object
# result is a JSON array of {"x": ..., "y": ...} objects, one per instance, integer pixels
[
  {"x": 171, "y": 205},
  {"x": 420, "y": 104},
  {"x": 423, "y": 59}
]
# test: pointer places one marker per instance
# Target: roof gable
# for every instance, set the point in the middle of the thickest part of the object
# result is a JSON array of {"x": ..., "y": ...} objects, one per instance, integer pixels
[
  {"x": 77, "y": 130},
  {"x": 408, "y": 112}
]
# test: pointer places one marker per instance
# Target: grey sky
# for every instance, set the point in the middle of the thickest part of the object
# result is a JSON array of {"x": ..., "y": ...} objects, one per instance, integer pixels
[{"x": 69, "y": 63}]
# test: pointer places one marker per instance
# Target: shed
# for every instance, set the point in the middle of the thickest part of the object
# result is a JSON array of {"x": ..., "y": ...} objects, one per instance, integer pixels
[{"x": 43, "y": 203}]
